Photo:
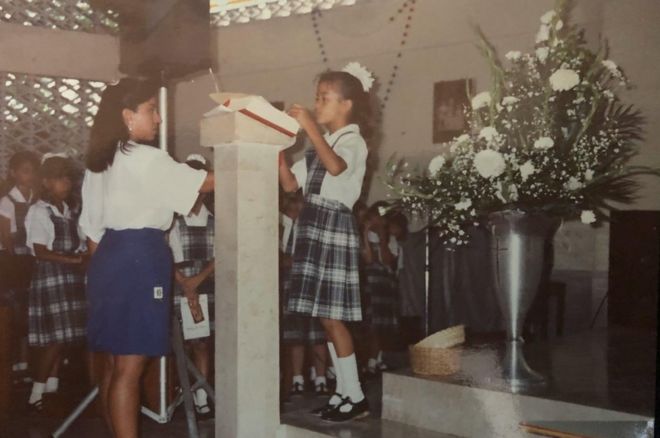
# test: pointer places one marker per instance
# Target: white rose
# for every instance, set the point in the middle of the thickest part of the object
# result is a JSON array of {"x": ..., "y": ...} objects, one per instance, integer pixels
[
  {"x": 526, "y": 170},
  {"x": 543, "y": 35},
  {"x": 588, "y": 217},
  {"x": 588, "y": 175},
  {"x": 559, "y": 25},
  {"x": 481, "y": 100},
  {"x": 462, "y": 138},
  {"x": 463, "y": 205},
  {"x": 542, "y": 53},
  {"x": 564, "y": 79},
  {"x": 573, "y": 183},
  {"x": 611, "y": 66},
  {"x": 548, "y": 17},
  {"x": 436, "y": 164},
  {"x": 513, "y": 55},
  {"x": 488, "y": 133},
  {"x": 509, "y": 100},
  {"x": 544, "y": 143},
  {"x": 489, "y": 163}
]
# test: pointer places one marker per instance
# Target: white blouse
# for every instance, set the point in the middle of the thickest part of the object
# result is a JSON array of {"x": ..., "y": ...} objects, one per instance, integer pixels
[
  {"x": 40, "y": 229},
  {"x": 7, "y": 208},
  {"x": 347, "y": 186},
  {"x": 143, "y": 188},
  {"x": 198, "y": 220}
]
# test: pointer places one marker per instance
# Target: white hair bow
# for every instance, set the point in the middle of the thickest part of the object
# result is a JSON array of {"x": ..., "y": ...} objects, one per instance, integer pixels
[
  {"x": 48, "y": 155},
  {"x": 196, "y": 157},
  {"x": 359, "y": 71}
]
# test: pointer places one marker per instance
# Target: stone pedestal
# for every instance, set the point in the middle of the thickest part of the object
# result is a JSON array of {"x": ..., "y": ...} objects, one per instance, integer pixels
[{"x": 246, "y": 275}]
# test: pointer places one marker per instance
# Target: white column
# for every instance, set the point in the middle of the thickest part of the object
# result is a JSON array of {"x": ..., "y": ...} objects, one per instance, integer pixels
[{"x": 246, "y": 275}]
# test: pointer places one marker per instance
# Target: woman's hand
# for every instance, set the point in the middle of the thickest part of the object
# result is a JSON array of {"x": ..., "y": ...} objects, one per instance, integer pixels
[{"x": 194, "y": 306}]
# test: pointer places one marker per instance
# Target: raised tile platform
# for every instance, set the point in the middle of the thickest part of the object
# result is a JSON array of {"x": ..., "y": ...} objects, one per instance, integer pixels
[{"x": 596, "y": 376}]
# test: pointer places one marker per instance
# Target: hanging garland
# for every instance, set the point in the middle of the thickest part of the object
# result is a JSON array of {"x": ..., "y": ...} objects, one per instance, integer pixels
[{"x": 408, "y": 7}]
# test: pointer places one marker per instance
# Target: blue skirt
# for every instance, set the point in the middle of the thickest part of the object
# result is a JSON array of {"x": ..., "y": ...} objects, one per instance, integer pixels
[{"x": 129, "y": 288}]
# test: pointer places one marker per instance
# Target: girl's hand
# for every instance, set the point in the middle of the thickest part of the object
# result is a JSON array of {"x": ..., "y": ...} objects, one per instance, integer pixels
[
  {"x": 195, "y": 307},
  {"x": 303, "y": 116}
]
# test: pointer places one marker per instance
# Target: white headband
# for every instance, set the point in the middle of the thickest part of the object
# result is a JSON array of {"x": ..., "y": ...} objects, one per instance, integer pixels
[
  {"x": 48, "y": 155},
  {"x": 361, "y": 73}
]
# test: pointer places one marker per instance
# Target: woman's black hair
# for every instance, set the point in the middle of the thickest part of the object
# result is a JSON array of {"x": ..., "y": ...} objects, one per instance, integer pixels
[
  {"x": 351, "y": 88},
  {"x": 109, "y": 130}
]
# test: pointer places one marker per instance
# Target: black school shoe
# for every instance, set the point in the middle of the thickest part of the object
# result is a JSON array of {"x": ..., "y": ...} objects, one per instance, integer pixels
[
  {"x": 347, "y": 411},
  {"x": 297, "y": 390},
  {"x": 323, "y": 410}
]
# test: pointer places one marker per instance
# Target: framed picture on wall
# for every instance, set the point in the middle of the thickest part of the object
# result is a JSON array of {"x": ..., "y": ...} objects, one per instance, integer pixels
[{"x": 450, "y": 98}]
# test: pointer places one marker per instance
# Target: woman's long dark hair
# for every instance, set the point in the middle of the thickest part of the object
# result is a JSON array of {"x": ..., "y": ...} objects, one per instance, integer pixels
[
  {"x": 109, "y": 130},
  {"x": 351, "y": 88}
]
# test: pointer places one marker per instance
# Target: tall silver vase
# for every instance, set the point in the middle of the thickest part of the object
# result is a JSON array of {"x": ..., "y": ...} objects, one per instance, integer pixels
[{"x": 517, "y": 251}]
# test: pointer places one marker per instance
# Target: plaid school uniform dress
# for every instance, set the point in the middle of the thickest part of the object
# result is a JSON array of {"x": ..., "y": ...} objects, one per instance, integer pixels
[
  {"x": 380, "y": 291},
  {"x": 297, "y": 329},
  {"x": 57, "y": 304},
  {"x": 197, "y": 249},
  {"x": 325, "y": 279}
]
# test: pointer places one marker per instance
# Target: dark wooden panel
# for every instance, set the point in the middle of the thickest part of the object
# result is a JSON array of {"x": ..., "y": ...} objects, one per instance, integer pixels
[{"x": 634, "y": 267}]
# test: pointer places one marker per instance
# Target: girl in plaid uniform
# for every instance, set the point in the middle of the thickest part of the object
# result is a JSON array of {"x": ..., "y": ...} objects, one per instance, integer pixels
[
  {"x": 325, "y": 272},
  {"x": 56, "y": 310},
  {"x": 298, "y": 330},
  {"x": 192, "y": 240},
  {"x": 379, "y": 285},
  {"x": 16, "y": 262}
]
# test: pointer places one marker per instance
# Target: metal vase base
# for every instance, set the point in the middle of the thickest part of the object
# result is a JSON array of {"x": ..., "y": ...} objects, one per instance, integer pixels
[
  {"x": 517, "y": 373},
  {"x": 518, "y": 250}
]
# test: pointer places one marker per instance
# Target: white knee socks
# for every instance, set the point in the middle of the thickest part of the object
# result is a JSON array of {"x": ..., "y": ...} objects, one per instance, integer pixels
[
  {"x": 37, "y": 392},
  {"x": 335, "y": 400},
  {"x": 351, "y": 382}
]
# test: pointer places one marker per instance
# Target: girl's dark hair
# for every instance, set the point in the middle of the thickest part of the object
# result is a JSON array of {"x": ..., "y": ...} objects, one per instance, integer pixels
[
  {"x": 109, "y": 130},
  {"x": 58, "y": 167},
  {"x": 351, "y": 88},
  {"x": 21, "y": 157}
]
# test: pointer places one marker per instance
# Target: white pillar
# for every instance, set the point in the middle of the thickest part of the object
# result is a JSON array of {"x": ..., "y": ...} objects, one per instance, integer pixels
[{"x": 246, "y": 275}]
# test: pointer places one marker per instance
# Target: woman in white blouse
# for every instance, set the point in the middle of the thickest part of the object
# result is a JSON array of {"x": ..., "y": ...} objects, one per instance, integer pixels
[{"x": 130, "y": 194}]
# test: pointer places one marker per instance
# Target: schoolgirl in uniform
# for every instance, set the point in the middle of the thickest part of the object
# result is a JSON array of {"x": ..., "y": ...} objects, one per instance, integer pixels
[
  {"x": 192, "y": 240},
  {"x": 379, "y": 285},
  {"x": 298, "y": 331},
  {"x": 57, "y": 305},
  {"x": 16, "y": 261},
  {"x": 130, "y": 194},
  {"x": 325, "y": 271}
]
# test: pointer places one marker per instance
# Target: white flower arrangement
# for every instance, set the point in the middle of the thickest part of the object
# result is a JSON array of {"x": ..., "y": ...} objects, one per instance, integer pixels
[
  {"x": 364, "y": 76},
  {"x": 550, "y": 136}
]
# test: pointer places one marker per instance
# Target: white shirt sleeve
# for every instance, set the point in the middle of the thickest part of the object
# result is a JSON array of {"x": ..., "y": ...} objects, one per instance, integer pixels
[
  {"x": 91, "y": 217},
  {"x": 299, "y": 170},
  {"x": 174, "y": 185},
  {"x": 7, "y": 208},
  {"x": 39, "y": 228},
  {"x": 175, "y": 243},
  {"x": 353, "y": 150}
]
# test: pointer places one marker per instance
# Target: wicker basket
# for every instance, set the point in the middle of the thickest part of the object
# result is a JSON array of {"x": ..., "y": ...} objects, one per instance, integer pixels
[{"x": 435, "y": 361}]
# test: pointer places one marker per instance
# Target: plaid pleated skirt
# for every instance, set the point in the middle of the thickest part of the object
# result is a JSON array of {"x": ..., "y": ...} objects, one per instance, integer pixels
[
  {"x": 380, "y": 297},
  {"x": 325, "y": 278},
  {"x": 297, "y": 329},
  {"x": 56, "y": 304}
]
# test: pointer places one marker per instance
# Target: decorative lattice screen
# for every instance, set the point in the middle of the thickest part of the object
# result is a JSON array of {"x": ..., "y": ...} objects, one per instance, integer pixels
[
  {"x": 45, "y": 114},
  {"x": 59, "y": 14}
]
